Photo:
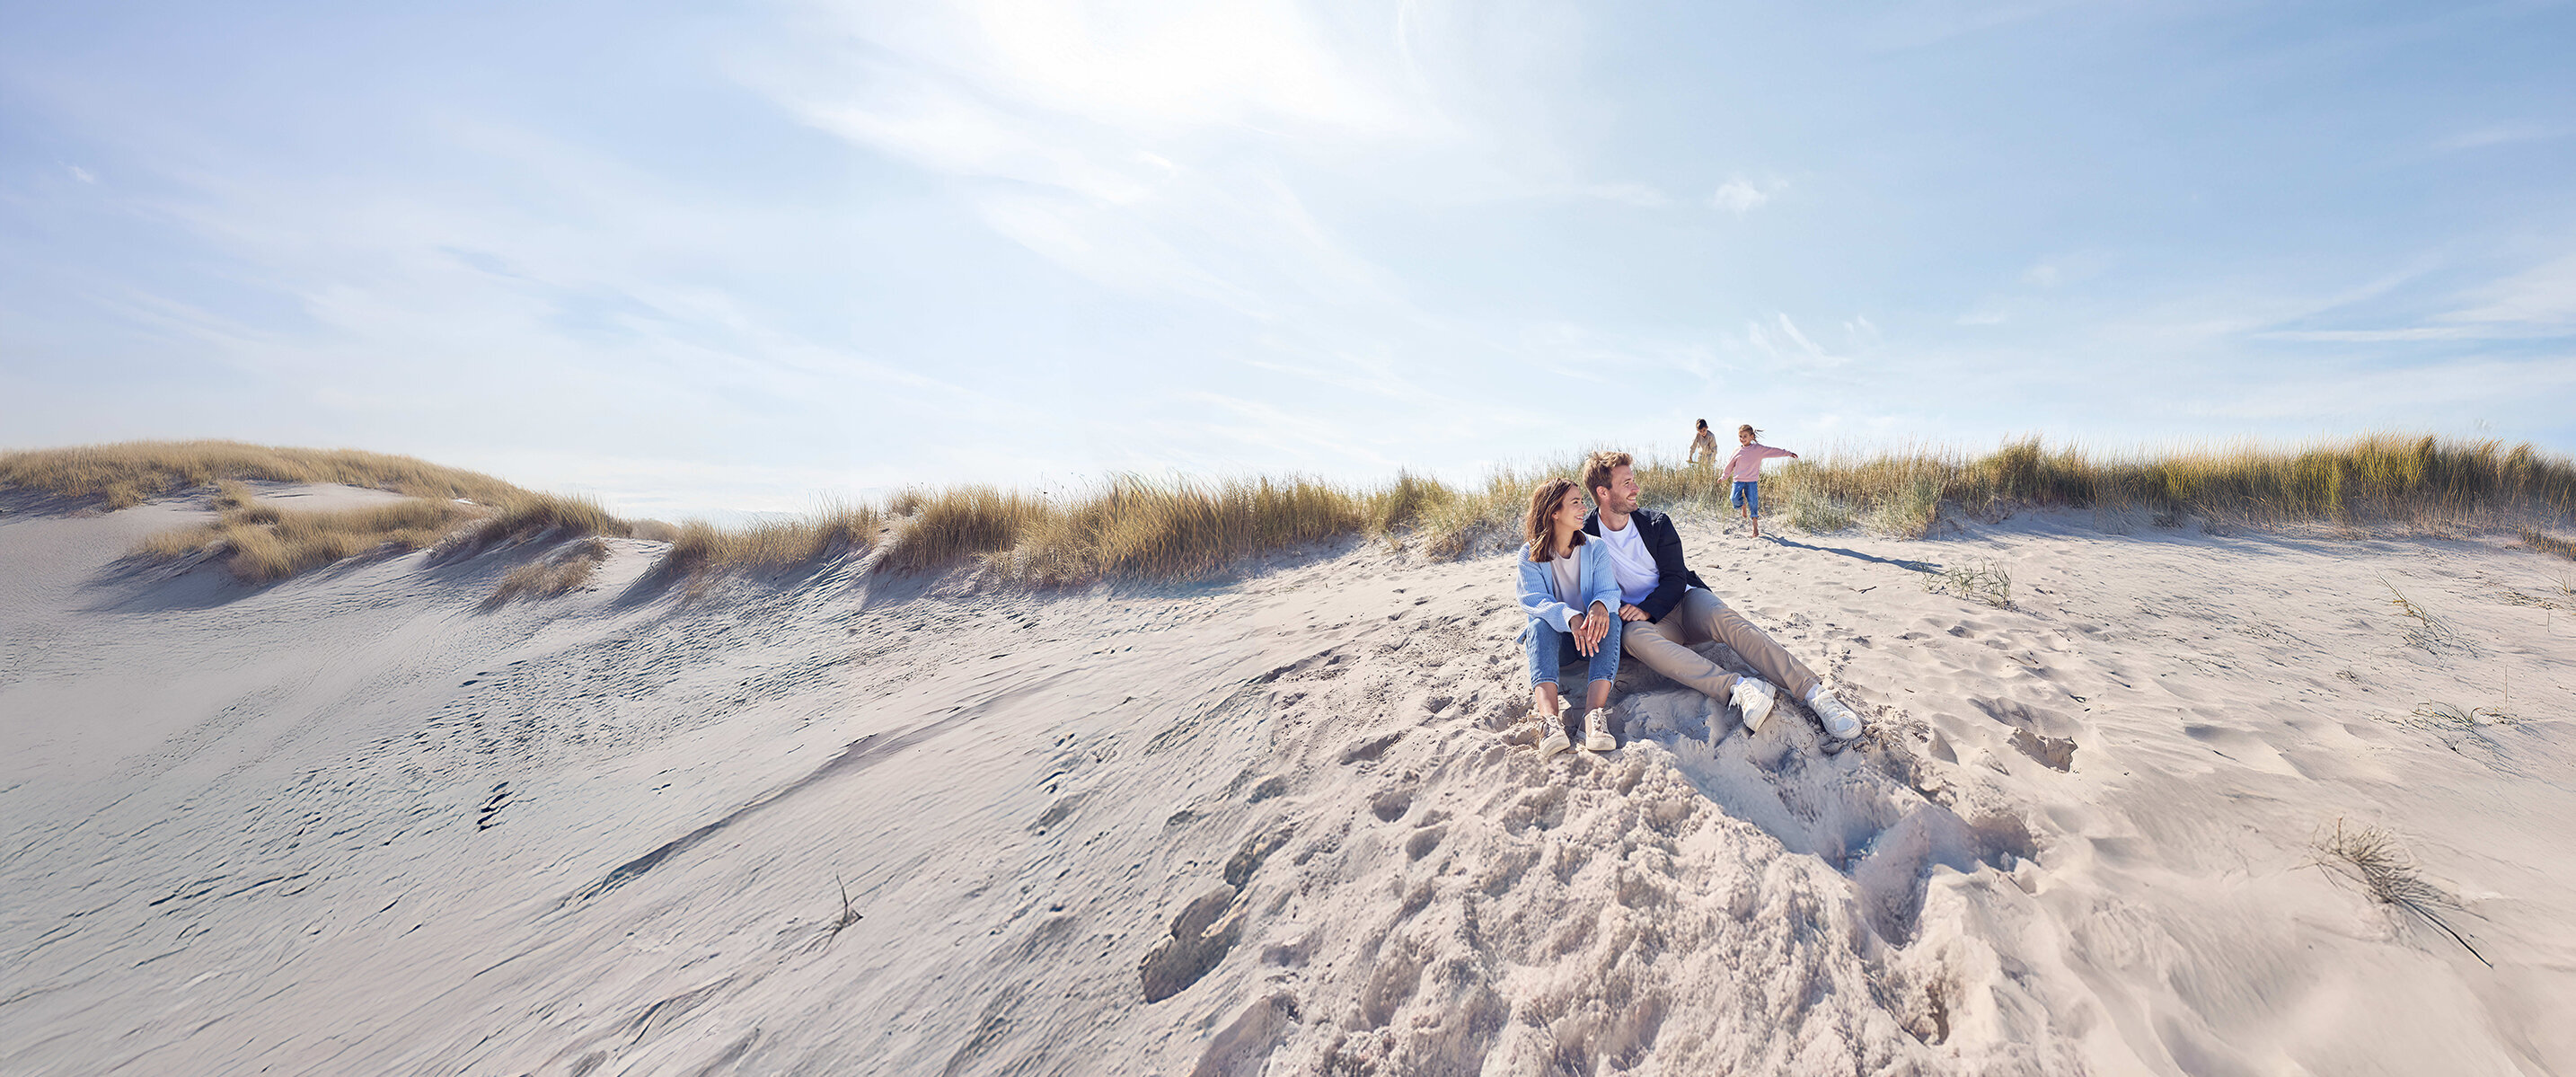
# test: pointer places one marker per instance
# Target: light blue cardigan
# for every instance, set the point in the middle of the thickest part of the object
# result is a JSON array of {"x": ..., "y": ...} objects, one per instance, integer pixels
[{"x": 1538, "y": 587}]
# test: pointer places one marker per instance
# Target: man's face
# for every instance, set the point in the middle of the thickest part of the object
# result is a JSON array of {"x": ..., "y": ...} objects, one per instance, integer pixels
[{"x": 1622, "y": 496}]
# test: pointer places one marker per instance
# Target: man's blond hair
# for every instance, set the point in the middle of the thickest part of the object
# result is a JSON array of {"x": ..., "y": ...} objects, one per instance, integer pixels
[{"x": 1596, "y": 471}]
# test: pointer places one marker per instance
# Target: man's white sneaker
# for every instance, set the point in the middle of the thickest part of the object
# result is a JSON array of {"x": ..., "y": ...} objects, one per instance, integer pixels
[
  {"x": 1556, "y": 742},
  {"x": 1838, "y": 717},
  {"x": 1596, "y": 730},
  {"x": 1754, "y": 697}
]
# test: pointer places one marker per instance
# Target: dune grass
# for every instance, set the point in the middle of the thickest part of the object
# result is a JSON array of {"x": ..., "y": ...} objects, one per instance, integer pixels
[
  {"x": 263, "y": 543},
  {"x": 567, "y": 569},
  {"x": 130, "y": 473},
  {"x": 1131, "y": 527},
  {"x": 698, "y": 547},
  {"x": 1135, "y": 528},
  {"x": 2548, "y": 543}
]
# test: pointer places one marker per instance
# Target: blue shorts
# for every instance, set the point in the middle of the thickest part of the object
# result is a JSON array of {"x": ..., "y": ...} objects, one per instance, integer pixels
[{"x": 1748, "y": 496}]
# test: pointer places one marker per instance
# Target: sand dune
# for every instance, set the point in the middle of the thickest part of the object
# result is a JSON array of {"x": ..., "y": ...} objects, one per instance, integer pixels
[{"x": 357, "y": 822}]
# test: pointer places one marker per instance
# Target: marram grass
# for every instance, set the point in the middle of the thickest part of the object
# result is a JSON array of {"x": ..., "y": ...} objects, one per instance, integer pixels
[{"x": 1135, "y": 528}]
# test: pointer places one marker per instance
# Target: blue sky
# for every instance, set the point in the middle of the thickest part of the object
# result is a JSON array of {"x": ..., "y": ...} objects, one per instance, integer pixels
[{"x": 701, "y": 258}]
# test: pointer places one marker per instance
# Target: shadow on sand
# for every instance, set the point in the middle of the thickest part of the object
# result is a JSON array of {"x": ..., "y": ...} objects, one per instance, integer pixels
[{"x": 1909, "y": 566}]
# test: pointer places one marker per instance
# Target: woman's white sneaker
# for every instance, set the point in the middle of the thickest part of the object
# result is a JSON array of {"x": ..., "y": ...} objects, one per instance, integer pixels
[
  {"x": 1555, "y": 742},
  {"x": 1596, "y": 730},
  {"x": 1838, "y": 717},
  {"x": 1754, "y": 696}
]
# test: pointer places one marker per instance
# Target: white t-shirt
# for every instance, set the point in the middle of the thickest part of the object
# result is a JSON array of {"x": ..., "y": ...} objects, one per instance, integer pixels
[
  {"x": 1629, "y": 562},
  {"x": 1569, "y": 578}
]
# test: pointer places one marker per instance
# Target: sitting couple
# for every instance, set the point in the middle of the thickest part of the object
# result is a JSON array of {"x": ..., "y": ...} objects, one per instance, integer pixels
[{"x": 1613, "y": 582}]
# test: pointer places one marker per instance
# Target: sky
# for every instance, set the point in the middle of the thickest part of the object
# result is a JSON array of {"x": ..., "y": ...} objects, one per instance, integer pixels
[{"x": 716, "y": 258}]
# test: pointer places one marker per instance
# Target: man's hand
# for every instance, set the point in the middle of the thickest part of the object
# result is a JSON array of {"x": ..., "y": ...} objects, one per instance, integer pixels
[{"x": 1630, "y": 612}]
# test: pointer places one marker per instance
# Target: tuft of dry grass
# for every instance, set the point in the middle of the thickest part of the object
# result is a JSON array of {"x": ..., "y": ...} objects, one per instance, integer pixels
[
  {"x": 130, "y": 473},
  {"x": 2548, "y": 543},
  {"x": 2373, "y": 858},
  {"x": 961, "y": 522},
  {"x": 561, "y": 572},
  {"x": 528, "y": 517},
  {"x": 1981, "y": 582}
]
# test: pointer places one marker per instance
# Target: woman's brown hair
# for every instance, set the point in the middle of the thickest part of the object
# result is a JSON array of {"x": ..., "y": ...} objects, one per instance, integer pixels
[{"x": 1538, "y": 527}]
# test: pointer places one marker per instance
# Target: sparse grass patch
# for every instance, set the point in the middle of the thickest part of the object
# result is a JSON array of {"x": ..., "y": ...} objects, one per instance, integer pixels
[
  {"x": 563, "y": 571},
  {"x": 2373, "y": 858},
  {"x": 2548, "y": 543},
  {"x": 130, "y": 473},
  {"x": 1981, "y": 582}
]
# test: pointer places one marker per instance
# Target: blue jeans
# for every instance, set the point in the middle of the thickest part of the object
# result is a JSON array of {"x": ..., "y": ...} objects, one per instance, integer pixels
[
  {"x": 1551, "y": 649},
  {"x": 1747, "y": 495}
]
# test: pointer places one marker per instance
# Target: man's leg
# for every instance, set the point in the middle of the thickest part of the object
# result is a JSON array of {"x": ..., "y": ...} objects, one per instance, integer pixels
[
  {"x": 1702, "y": 615},
  {"x": 1662, "y": 646}
]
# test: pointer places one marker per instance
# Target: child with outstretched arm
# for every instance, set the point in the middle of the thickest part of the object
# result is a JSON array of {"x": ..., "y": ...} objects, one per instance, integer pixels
[{"x": 1744, "y": 469}]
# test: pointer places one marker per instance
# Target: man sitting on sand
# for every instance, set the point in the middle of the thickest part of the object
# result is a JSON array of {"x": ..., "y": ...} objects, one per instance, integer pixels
[{"x": 1667, "y": 608}]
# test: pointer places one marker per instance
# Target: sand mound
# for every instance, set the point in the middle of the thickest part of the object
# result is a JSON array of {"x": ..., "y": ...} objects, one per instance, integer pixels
[{"x": 362, "y": 821}]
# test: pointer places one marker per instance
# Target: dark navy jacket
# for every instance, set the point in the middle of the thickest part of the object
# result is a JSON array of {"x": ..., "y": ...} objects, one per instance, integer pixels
[{"x": 1665, "y": 545}]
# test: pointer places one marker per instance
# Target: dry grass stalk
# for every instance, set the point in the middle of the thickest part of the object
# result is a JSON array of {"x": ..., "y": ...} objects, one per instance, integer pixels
[
  {"x": 2373, "y": 858},
  {"x": 2548, "y": 543},
  {"x": 2429, "y": 632}
]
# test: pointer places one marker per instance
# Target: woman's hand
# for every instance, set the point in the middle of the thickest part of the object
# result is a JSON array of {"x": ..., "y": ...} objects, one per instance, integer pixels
[{"x": 1590, "y": 628}]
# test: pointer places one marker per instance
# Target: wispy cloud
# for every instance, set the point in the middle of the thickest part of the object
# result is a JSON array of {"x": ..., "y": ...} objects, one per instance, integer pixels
[
  {"x": 1738, "y": 196},
  {"x": 2496, "y": 135}
]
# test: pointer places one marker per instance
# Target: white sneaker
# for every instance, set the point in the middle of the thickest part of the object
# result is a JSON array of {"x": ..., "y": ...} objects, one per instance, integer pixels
[
  {"x": 1838, "y": 717},
  {"x": 1556, "y": 742},
  {"x": 1754, "y": 697},
  {"x": 1596, "y": 730}
]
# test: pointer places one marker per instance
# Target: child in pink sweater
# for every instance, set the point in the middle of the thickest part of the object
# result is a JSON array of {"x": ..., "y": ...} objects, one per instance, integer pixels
[{"x": 1744, "y": 469}]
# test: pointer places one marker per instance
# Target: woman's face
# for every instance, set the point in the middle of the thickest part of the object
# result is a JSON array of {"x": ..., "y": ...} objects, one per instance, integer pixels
[{"x": 1569, "y": 509}]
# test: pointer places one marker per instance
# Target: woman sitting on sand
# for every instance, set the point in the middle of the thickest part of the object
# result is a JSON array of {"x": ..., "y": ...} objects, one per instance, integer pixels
[{"x": 1570, "y": 594}]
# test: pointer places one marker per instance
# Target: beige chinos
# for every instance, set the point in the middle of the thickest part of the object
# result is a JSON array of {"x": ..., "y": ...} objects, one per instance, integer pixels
[{"x": 1665, "y": 647}]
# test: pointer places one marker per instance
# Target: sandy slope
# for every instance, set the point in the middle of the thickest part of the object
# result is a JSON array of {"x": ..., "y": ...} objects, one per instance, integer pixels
[{"x": 355, "y": 823}]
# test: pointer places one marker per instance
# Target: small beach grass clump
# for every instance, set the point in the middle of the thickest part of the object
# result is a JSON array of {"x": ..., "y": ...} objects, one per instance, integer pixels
[
  {"x": 565, "y": 570},
  {"x": 2548, "y": 543},
  {"x": 2373, "y": 858}
]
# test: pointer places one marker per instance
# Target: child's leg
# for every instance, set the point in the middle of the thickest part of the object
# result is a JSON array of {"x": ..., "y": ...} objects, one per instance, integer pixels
[{"x": 1753, "y": 506}]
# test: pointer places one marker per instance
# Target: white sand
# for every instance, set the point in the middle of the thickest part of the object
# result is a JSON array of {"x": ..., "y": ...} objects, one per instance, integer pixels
[{"x": 353, "y": 823}]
